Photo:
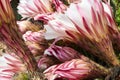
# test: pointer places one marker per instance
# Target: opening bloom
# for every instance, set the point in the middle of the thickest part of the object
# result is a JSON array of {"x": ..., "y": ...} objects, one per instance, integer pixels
[
  {"x": 39, "y": 7},
  {"x": 30, "y": 8},
  {"x": 89, "y": 31},
  {"x": 34, "y": 36}
]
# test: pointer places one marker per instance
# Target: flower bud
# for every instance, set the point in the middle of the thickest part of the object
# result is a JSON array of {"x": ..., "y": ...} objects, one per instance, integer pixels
[
  {"x": 62, "y": 53},
  {"x": 35, "y": 41},
  {"x": 76, "y": 69}
]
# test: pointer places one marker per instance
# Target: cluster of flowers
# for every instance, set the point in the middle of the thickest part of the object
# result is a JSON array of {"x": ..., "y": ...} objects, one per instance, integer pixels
[{"x": 38, "y": 46}]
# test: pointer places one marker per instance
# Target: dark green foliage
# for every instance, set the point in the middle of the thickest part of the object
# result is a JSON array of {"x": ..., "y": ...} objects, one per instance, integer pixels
[
  {"x": 14, "y": 6},
  {"x": 116, "y": 10}
]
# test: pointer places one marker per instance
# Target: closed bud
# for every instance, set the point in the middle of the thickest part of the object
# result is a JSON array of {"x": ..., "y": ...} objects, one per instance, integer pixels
[
  {"x": 76, "y": 69},
  {"x": 35, "y": 41},
  {"x": 62, "y": 53}
]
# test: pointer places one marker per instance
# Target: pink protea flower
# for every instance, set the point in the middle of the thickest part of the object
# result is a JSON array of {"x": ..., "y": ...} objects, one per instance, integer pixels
[
  {"x": 76, "y": 69},
  {"x": 30, "y": 8},
  {"x": 35, "y": 41},
  {"x": 34, "y": 36},
  {"x": 90, "y": 31},
  {"x": 10, "y": 64},
  {"x": 39, "y": 7},
  {"x": 11, "y": 36}
]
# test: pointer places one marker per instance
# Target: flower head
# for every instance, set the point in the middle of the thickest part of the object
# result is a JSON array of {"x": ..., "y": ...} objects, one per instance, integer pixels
[
  {"x": 62, "y": 53},
  {"x": 10, "y": 64},
  {"x": 30, "y": 8},
  {"x": 90, "y": 31},
  {"x": 76, "y": 69},
  {"x": 35, "y": 41},
  {"x": 34, "y": 36},
  {"x": 40, "y": 8},
  {"x": 11, "y": 36}
]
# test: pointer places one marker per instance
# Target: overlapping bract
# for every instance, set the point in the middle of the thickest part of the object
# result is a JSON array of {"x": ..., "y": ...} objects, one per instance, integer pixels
[
  {"x": 76, "y": 69},
  {"x": 62, "y": 53},
  {"x": 35, "y": 41}
]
